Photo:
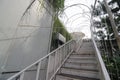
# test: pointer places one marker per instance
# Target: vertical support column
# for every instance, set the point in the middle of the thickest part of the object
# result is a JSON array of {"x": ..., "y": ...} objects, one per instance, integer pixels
[
  {"x": 58, "y": 57},
  {"x": 56, "y": 61},
  {"x": 22, "y": 76},
  {"x": 38, "y": 71},
  {"x": 50, "y": 68}
]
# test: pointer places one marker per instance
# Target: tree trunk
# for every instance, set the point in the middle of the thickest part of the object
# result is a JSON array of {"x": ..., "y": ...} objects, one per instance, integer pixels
[{"x": 112, "y": 23}]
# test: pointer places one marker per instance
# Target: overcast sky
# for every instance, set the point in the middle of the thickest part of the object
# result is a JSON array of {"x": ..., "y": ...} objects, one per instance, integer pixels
[{"x": 77, "y": 18}]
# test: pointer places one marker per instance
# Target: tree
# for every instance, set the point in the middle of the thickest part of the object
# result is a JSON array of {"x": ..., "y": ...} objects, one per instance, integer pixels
[
  {"x": 110, "y": 22},
  {"x": 115, "y": 1},
  {"x": 110, "y": 16}
]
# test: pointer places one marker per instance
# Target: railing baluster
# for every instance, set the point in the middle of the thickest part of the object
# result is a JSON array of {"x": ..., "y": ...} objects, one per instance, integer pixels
[
  {"x": 48, "y": 67},
  {"x": 38, "y": 71},
  {"x": 69, "y": 46},
  {"x": 60, "y": 57},
  {"x": 57, "y": 58},
  {"x": 55, "y": 61},
  {"x": 62, "y": 53},
  {"x": 22, "y": 76}
]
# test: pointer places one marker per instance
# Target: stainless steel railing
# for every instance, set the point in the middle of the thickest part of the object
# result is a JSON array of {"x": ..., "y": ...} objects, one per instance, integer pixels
[
  {"x": 102, "y": 69},
  {"x": 54, "y": 60}
]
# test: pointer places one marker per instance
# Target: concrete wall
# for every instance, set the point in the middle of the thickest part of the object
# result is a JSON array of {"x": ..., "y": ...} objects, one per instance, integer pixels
[{"x": 23, "y": 40}]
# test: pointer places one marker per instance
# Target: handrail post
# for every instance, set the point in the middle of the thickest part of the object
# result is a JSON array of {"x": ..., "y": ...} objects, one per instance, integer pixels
[
  {"x": 55, "y": 59},
  {"x": 38, "y": 71},
  {"x": 48, "y": 67},
  {"x": 22, "y": 76},
  {"x": 98, "y": 55}
]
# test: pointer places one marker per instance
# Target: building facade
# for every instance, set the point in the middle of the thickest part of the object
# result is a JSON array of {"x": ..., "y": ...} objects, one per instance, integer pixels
[{"x": 25, "y": 29}]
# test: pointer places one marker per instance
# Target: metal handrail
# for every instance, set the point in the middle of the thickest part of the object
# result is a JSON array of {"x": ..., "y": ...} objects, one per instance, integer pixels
[
  {"x": 103, "y": 71},
  {"x": 101, "y": 63},
  {"x": 65, "y": 48}
]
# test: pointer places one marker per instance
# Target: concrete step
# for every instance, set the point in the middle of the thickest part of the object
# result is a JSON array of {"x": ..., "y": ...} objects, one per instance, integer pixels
[
  {"x": 81, "y": 65},
  {"x": 84, "y": 52},
  {"x": 72, "y": 77},
  {"x": 83, "y": 58},
  {"x": 81, "y": 61},
  {"x": 87, "y": 40},
  {"x": 81, "y": 55},
  {"x": 81, "y": 72}
]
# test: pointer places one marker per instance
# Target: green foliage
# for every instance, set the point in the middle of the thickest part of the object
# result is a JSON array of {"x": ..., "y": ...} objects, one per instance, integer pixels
[
  {"x": 113, "y": 66},
  {"x": 58, "y": 5},
  {"x": 110, "y": 54},
  {"x": 115, "y": 1},
  {"x": 58, "y": 27},
  {"x": 104, "y": 19},
  {"x": 101, "y": 34}
]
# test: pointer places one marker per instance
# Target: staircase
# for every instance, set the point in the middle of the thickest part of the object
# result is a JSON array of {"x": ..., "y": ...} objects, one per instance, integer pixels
[
  {"x": 81, "y": 65},
  {"x": 72, "y": 61}
]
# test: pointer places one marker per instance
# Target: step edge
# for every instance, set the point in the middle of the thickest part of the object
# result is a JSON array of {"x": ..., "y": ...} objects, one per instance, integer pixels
[
  {"x": 93, "y": 70},
  {"x": 81, "y": 63},
  {"x": 76, "y": 76}
]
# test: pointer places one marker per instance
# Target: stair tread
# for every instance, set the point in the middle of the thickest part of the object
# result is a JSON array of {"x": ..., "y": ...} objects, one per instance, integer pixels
[
  {"x": 93, "y": 66},
  {"x": 85, "y": 57},
  {"x": 80, "y": 72},
  {"x": 81, "y": 62},
  {"x": 95, "y": 70},
  {"x": 77, "y": 77},
  {"x": 83, "y": 50},
  {"x": 82, "y": 59},
  {"x": 94, "y": 63},
  {"x": 82, "y": 55}
]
